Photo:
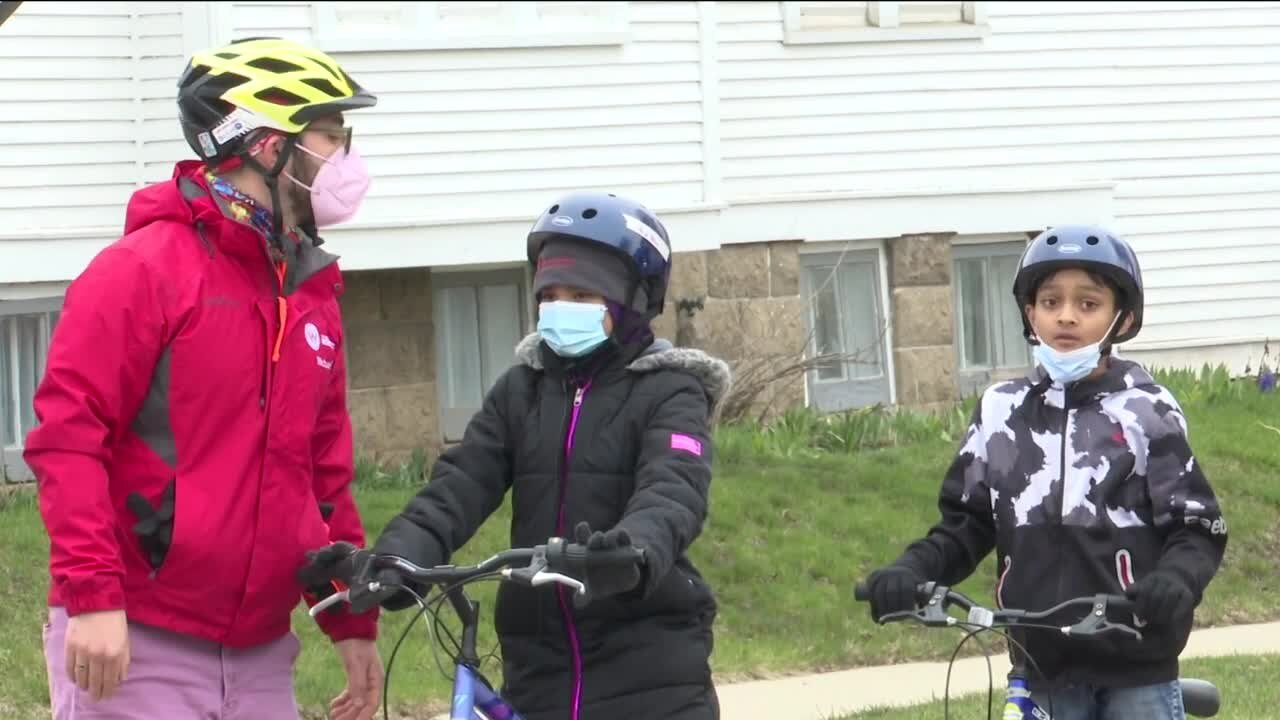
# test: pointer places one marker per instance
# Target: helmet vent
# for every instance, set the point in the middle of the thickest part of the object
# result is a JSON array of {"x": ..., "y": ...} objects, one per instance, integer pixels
[
  {"x": 1092, "y": 239},
  {"x": 227, "y": 55},
  {"x": 274, "y": 65},
  {"x": 554, "y": 208},
  {"x": 229, "y": 80},
  {"x": 588, "y": 213},
  {"x": 278, "y": 96},
  {"x": 323, "y": 86},
  {"x": 1053, "y": 240}
]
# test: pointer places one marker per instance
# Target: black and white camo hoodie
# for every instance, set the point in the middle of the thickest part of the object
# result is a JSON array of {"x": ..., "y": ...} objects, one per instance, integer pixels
[{"x": 1080, "y": 491}]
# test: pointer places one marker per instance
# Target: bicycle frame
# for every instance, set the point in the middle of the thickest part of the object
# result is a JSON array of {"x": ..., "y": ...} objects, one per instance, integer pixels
[
  {"x": 470, "y": 689},
  {"x": 471, "y": 693},
  {"x": 1018, "y": 703}
]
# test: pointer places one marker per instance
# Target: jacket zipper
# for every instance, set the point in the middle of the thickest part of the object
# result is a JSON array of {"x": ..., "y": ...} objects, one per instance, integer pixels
[
  {"x": 570, "y": 628},
  {"x": 1062, "y": 489},
  {"x": 1062, "y": 462}
]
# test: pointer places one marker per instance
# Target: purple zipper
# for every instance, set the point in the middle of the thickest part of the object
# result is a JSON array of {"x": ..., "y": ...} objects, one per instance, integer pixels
[{"x": 572, "y": 629}]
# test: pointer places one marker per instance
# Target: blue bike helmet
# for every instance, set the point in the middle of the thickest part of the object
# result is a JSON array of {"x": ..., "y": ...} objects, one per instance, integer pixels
[
  {"x": 625, "y": 234},
  {"x": 1087, "y": 247}
]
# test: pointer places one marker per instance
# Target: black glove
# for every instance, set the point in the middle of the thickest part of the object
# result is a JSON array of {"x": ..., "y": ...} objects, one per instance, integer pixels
[
  {"x": 892, "y": 589},
  {"x": 607, "y": 579},
  {"x": 1161, "y": 598},
  {"x": 350, "y": 567}
]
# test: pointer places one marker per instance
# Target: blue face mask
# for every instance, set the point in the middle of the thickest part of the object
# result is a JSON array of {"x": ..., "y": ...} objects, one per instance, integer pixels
[
  {"x": 1068, "y": 367},
  {"x": 572, "y": 329}
]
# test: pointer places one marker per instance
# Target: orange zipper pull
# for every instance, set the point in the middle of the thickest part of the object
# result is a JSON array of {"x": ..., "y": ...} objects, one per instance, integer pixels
[{"x": 283, "y": 304}]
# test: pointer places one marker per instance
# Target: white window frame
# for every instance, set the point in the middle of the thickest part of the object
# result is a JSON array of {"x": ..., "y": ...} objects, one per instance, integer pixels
[
  {"x": 883, "y": 25},
  {"x": 969, "y": 378},
  {"x": 420, "y": 29},
  {"x": 473, "y": 277},
  {"x": 12, "y": 466}
]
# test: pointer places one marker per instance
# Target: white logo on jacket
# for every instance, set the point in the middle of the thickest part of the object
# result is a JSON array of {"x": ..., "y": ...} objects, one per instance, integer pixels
[{"x": 313, "y": 336}]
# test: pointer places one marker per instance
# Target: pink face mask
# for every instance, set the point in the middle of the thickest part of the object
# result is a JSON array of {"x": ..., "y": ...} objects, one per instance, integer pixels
[{"x": 339, "y": 187}]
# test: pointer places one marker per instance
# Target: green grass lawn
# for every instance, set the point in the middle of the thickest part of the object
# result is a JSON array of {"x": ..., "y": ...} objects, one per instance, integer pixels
[
  {"x": 792, "y": 527},
  {"x": 1247, "y": 684}
]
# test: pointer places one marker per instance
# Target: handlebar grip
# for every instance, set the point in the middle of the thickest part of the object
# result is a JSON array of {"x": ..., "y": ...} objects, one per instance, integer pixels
[
  {"x": 574, "y": 558},
  {"x": 579, "y": 556},
  {"x": 861, "y": 592},
  {"x": 1120, "y": 604}
]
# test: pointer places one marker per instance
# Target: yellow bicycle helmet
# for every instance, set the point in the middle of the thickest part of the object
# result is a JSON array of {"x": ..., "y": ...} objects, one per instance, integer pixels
[{"x": 226, "y": 93}]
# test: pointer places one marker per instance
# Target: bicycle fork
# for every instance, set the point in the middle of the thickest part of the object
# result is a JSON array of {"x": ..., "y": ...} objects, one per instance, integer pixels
[{"x": 1018, "y": 704}]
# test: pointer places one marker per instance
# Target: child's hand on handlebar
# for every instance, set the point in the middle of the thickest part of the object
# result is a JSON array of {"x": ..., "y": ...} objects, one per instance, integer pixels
[
  {"x": 1161, "y": 598},
  {"x": 892, "y": 589},
  {"x": 606, "y": 579}
]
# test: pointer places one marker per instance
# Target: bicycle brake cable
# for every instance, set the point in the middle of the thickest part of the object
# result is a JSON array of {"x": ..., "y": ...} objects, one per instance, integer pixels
[
  {"x": 386, "y": 679},
  {"x": 946, "y": 691},
  {"x": 1005, "y": 631}
]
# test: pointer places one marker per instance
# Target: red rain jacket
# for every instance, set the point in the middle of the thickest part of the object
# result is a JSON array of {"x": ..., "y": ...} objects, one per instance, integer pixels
[{"x": 169, "y": 375}]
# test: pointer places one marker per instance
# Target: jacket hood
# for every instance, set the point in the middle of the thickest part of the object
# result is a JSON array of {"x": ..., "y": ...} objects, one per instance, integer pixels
[
  {"x": 712, "y": 372},
  {"x": 163, "y": 201}
]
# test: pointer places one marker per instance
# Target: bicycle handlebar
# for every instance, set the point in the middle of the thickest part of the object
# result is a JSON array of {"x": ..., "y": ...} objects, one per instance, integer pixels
[
  {"x": 546, "y": 564},
  {"x": 937, "y": 599}
]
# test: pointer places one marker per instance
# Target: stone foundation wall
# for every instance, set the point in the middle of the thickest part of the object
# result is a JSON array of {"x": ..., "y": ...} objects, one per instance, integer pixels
[
  {"x": 924, "y": 354},
  {"x": 391, "y": 374},
  {"x": 742, "y": 303}
]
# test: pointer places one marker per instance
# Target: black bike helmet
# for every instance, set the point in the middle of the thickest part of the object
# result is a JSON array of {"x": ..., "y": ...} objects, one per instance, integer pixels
[
  {"x": 623, "y": 228},
  {"x": 1087, "y": 247}
]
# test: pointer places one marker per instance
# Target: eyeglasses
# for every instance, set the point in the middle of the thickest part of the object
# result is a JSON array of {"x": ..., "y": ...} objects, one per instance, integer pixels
[{"x": 337, "y": 135}]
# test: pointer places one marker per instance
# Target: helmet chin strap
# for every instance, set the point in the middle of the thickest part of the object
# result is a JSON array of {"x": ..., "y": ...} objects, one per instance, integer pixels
[{"x": 272, "y": 178}]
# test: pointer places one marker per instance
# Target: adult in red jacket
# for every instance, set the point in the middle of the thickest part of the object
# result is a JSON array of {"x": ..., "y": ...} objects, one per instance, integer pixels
[{"x": 193, "y": 438}]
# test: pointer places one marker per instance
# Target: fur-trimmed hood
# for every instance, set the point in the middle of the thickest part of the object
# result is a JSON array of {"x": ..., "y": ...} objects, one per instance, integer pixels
[{"x": 712, "y": 372}]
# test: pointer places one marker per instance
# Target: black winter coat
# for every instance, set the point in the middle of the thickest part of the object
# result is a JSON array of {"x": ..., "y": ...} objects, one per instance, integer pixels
[{"x": 636, "y": 432}]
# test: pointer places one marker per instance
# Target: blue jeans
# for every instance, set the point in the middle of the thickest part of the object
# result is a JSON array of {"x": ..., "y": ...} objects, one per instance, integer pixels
[{"x": 1084, "y": 702}]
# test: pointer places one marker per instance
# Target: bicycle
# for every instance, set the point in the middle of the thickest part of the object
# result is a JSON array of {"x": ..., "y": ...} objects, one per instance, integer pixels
[
  {"x": 1200, "y": 698},
  {"x": 473, "y": 695}
]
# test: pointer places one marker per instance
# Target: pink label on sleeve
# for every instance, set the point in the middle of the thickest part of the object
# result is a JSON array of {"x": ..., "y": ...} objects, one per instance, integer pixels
[{"x": 686, "y": 443}]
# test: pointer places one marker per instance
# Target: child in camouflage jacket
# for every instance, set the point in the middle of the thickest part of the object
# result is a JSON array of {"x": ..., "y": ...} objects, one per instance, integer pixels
[{"x": 1081, "y": 478}]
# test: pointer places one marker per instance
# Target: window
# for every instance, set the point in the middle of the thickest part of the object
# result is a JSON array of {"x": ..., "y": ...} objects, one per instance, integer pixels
[
  {"x": 379, "y": 26},
  {"x": 845, "y": 318},
  {"x": 25, "y": 328},
  {"x": 989, "y": 339},
  {"x": 830, "y": 22},
  {"x": 479, "y": 320}
]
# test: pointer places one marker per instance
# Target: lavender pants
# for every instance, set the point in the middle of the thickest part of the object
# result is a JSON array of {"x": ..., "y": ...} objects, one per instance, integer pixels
[{"x": 179, "y": 677}]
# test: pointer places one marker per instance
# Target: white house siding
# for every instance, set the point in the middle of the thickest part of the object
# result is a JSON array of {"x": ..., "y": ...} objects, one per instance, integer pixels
[
  {"x": 1174, "y": 102},
  {"x": 81, "y": 84},
  {"x": 78, "y": 80},
  {"x": 1158, "y": 117},
  {"x": 479, "y": 134}
]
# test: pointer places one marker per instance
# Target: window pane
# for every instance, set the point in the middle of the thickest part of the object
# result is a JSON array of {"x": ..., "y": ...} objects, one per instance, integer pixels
[
  {"x": 826, "y": 320},
  {"x": 1012, "y": 349},
  {"x": 499, "y": 330},
  {"x": 974, "y": 328},
  {"x": 31, "y": 350},
  {"x": 8, "y": 436},
  {"x": 459, "y": 345},
  {"x": 858, "y": 303}
]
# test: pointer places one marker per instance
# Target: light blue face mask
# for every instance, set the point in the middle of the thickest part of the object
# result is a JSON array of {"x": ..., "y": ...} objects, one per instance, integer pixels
[
  {"x": 1068, "y": 367},
  {"x": 571, "y": 329}
]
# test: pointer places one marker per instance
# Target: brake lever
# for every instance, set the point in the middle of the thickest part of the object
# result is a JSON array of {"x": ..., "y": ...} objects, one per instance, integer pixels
[
  {"x": 932, "y": 614},
  {"x": 525, "y": 575},
  {"x": 1096, "y": 622}
]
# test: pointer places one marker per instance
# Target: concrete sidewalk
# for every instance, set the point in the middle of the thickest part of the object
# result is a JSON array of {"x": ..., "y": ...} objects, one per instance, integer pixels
[{"x": 819, "y": 697}]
